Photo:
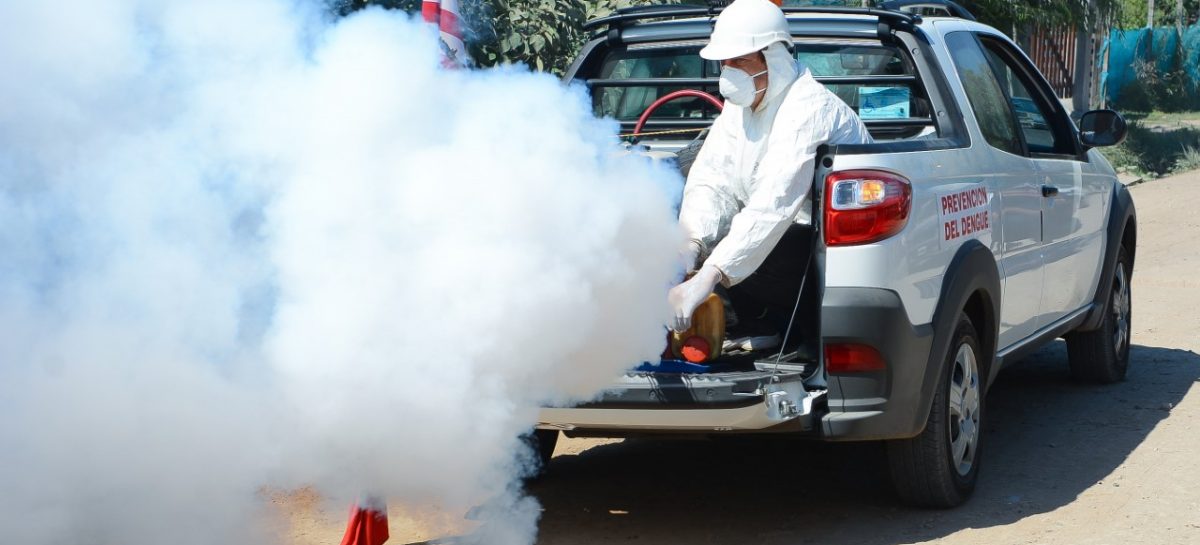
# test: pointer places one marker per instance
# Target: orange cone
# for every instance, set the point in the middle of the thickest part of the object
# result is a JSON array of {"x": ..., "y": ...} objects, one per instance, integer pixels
[{"x": 368, "y": 523}]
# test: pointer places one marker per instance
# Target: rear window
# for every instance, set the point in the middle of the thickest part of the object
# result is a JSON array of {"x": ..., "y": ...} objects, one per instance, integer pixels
[
  {"x": 627, "y": 102},
  {"x": 875, "y": 80}
]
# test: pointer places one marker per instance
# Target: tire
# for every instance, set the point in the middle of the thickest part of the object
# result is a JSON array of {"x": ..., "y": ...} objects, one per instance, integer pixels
[
  {"x": 939, "y": 467},
  {"x": 1102, "y": 355}
]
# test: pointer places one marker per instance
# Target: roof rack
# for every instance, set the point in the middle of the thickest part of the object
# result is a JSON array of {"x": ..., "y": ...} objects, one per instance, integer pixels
[
  {"x": 628, "y": 15},
  {"x": 951, "y": 8},
  {"x": 660, "y": 7}
]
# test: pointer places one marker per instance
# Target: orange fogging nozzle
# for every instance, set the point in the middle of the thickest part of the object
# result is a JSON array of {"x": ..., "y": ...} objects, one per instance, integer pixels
[{"x": 695, "y": 349}]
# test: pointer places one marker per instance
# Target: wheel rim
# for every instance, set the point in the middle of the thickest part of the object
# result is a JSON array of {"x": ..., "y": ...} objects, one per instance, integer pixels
[
  {"x": 964, "y": 409},
  {"x": 1120, "y": 309}
]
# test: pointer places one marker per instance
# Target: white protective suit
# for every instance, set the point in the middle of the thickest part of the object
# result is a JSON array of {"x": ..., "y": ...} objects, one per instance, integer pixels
[{"x": 751, "y": 179}]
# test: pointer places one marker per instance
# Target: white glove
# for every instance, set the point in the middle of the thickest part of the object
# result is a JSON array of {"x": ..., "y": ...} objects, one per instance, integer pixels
[
  {"x": 689, "y": 255},
  {"x": 685, "y": 297}
]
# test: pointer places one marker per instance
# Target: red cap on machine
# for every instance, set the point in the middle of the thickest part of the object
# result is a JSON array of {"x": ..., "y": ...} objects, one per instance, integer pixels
[{"x": 695, "y": 349}]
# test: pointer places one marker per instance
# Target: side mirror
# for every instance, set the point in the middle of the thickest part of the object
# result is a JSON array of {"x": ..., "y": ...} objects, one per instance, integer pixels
[{"x": 1099, "y": 128}]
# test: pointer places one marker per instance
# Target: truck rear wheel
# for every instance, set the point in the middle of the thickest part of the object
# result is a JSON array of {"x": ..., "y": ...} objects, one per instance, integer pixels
[
  {"x": 1102, "y": 355},
  {"x": 939, "y": 467}
]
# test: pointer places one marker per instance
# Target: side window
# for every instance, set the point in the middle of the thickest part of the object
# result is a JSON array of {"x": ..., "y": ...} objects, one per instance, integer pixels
[
  {"x": 1034, "y": 116},
  {"x": 984, "y": 92},
  {"x": 900, "y": 97}
]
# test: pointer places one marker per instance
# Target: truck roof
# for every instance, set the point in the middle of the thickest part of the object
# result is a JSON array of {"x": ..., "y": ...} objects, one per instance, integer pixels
[
  {"x": 701, "y": 28},
  {"x": 659, "y": 23}
]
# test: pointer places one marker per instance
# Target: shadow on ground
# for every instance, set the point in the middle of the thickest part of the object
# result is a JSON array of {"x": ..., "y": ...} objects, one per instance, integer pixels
[{"x": 1047, "y": 441}]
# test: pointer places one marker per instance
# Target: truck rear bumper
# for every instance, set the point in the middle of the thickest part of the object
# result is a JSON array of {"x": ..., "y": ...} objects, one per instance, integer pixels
[
  {"x": 758, "y": 416},
  {"x": 727, "y": 402},
  {"x": 889, "y": 404}
]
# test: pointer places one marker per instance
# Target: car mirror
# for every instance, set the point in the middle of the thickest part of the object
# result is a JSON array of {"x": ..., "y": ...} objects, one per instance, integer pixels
[{"x": 1099, "y": 128}]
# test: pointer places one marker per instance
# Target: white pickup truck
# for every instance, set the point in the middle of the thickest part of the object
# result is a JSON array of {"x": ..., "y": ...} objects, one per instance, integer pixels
[{"x": 1000, "y": 229}]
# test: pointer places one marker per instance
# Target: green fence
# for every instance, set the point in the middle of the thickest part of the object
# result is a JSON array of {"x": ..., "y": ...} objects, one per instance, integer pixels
[{"x": 1152, "y": 68}]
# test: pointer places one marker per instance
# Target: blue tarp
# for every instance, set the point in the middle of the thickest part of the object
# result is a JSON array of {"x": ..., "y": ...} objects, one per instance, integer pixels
[
  {"x": 1127, "y": 48},
  {"x": 1191, "y": 52}
]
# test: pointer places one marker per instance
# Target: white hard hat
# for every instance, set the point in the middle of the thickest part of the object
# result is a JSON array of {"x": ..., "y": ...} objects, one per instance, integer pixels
[{"x": 744, "y": 27}]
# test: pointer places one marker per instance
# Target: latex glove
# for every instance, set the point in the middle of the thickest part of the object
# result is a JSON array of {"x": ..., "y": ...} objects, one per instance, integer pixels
[
  {"x": 688, "y": 256},
  {"x": 685, "y": 297}
]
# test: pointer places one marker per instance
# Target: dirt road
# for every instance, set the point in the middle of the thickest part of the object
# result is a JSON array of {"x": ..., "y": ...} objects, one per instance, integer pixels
[{"x": 1063, "y": 463}]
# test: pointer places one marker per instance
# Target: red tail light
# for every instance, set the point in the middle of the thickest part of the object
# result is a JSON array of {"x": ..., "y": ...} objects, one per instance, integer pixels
[
  {"x": 852, "y": 358},
  {"x": 865, "y": 206}
]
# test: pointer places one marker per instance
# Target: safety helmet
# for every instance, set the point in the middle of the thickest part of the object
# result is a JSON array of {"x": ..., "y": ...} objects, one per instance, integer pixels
[{"x": 744, "y": 27}]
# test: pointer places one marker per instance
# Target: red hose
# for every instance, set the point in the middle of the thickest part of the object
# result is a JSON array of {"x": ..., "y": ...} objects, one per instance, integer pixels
[{"x": 672, "y": 96}]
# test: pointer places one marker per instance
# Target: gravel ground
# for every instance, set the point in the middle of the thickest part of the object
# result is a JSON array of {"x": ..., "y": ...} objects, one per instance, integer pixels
[{"x": 1063, "y": 463}]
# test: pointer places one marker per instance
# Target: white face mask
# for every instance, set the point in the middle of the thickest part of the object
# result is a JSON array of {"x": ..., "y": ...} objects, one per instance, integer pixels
[{"x": 738, "y": 87}]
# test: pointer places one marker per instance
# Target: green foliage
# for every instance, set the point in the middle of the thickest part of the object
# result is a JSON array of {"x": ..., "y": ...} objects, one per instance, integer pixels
[
  {"x": 1123, "y": 159},
  {"x": 505, "y": 31},
  {"x": 546, "y": 34},
  {"x": 1169, "y": 91},
  {"x": 1188, "y": 160},
  {"x": 1132, "y": 13},
  {"x": 1006, "y": 15},
  {"x": 542, "y": 34},
  {"x": 1156, "y": 152},
  {"x": 1009, "y": 14},
  {"x": 1162, "y": 79}
]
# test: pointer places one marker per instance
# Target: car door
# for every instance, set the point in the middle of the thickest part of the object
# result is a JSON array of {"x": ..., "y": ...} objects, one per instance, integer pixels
[
  {"x": 1001, "y": 159},
  {"x": 1073, "y": 199}
]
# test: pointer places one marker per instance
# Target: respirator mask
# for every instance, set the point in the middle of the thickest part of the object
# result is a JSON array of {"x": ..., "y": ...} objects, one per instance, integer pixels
[{"x": 738, "y": 87}]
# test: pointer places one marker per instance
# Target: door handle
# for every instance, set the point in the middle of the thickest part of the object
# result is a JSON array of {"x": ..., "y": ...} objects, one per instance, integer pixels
[{"x": 1049, "y": 191}]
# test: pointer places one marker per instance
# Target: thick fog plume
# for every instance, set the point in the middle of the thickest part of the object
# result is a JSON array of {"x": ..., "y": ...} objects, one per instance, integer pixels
[{"x": 244, "y": 246}]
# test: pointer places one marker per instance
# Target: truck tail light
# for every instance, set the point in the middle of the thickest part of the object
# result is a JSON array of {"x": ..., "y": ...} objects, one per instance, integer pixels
[
  {"x": 865, "y": 206},
  {"x": 852, "y": 358}
]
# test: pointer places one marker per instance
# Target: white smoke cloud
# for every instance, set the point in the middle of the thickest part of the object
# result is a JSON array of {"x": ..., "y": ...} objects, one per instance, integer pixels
[{"x": 245, "y": 245}]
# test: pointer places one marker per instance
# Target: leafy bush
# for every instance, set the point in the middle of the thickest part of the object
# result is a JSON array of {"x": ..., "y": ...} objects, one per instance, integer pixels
[
  {"x": 1154, "y": 90},
  {"x": 1188, "y": 160},
  {"x": 543, "y": 34},
  {"x": 1169, "y": 91},
  {"x": 1122, "y": 158},
  {"x": 1132, "y": 13},
  {"x": 546, "y": 34},
  {"x": 1162, "y": 79},
  {"x": 1156, "y": 152}
]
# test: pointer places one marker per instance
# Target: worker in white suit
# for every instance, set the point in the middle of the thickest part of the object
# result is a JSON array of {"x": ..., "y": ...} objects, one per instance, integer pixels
[{"x": 750, "y": 182}]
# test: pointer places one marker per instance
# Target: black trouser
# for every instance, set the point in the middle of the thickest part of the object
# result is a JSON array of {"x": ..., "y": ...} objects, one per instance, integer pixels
[{"x": 764, "y": 301}]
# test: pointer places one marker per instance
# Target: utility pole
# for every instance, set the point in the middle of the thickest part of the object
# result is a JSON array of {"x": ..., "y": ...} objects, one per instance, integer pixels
[
  {"x": 1149, "y": 13},
  {"x": 1180, "y": 17},
  {"x": 1085, "y": 34}
]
